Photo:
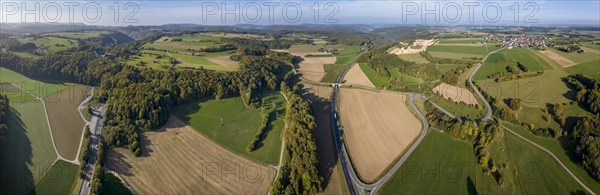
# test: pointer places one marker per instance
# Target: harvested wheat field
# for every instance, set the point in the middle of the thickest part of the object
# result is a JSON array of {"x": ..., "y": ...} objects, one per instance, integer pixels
[
  {"x": 590, "y": 50},
  {"x": 179, "y": 45},
  {"x": 378, "y": 127},
  {"x": 564, "y": 62},
  {"x": 356, "y": 76},
  {"x": 178, "y": 160},
  {"x": 321, "y": 106},
  {"x": 223, "y": 61},
  {"x": 456, "y": 94},
  {"x": 65, "y": 121},
  {"x": 311, "y": 68}
]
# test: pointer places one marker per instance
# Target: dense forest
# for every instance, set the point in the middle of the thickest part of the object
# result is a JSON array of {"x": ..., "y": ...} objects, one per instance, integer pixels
[
  {"x": 586, "y": 132},
  {"x": 299, "y": 173},
  {"x": 140, "y": 99}
]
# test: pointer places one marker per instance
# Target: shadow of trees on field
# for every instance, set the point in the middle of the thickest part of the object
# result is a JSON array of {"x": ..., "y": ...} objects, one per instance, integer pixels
[
  {"x": 117, "y": 163},
  {"x": 326, "y": 150},
  {"x": 471, "y": 187},
  {"x": 16, "y": 155}
]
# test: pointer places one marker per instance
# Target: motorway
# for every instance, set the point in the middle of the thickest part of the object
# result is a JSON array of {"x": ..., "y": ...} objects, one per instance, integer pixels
[{"x": 95, "y": 133}]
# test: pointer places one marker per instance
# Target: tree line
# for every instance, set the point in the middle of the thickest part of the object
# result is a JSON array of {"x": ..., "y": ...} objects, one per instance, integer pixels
[
  {"x": 299, "y": 173},
  {"x": 384, "y": 63},
  {"x": 481, "y": 135},
  {"x": 140, "y": 99}
]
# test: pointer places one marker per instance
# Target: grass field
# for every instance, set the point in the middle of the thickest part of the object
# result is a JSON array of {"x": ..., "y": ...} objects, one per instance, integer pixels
[
  {"x": 498, "y": 61},
  {"x": 59, "y": 179},
  {"x": 461, "y": 41},
  {"x": 415, "y": 57},
  {"x": 38, "y": 87},
  {"x": 345, "y": 53},
  {"x": 577, "y": 57},
  {"x": 79, "y": 35},
  {"x": 525, "y": 170},
  {"x": 113, "y": 185},
  {"x": 591, "y": 45},
  {"x": 451, "y": 55},
  {"x": 239, "y": 125},
  {"x": 28, "y": 148},
  {"x": 52, "y": 43},
  {"x": 374, "y": 77},
  {"x": 200, "y": 60},
  {"x": 14, "y": 93},
  {"x": 405, "y": 79},
  {"x": 535, "y": 92},
  {"x": 26, "y": 55},
  {"x": 478, "y": 51},
  {"x": 152, "y": 61},
  {"x": 439, "y": 165},
  {"x": 458, "y": 109},
  {"x": 65, "y": 122},
  {"x": 588, "y": 68},
  {"x": 188, "y": 42},
  {"x": 562, "y": 151},
  {"x": 332, "y": 71}
]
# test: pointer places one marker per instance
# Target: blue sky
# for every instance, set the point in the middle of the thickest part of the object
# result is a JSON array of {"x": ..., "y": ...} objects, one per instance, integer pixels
[{"x": 154, "y": 12}]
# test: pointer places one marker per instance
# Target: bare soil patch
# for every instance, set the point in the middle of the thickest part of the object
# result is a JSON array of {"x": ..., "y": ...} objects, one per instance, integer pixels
[
  {"x": 378, "y": 127},
  {"x": 178, "y": 160},
  {"x": 564, "y": 62},
  {"x": 418, "y": 46},
  {"x": 357, "y": 77},
  {"x": 456, "y": 94},
  {"x": 65, "y": 121},
  {"x": 223, "y": 60}
]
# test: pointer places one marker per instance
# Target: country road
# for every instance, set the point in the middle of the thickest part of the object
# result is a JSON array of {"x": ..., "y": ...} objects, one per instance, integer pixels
[
  {"x": 488, "y": 115},
  {"x": 96, "y": 132},
  {"x": 355, "y": 185}
]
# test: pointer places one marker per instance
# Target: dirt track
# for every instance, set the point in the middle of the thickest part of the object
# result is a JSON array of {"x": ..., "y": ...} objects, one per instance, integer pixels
[
  {"x": 456, "y": 94},
  {"x": 378, "y": 127},
  {"x": 564, "y": 62},
  {"x": 65, "y": 121},
  {"x": 178, "y": 160},
  {"x": 356, "y": 76}
]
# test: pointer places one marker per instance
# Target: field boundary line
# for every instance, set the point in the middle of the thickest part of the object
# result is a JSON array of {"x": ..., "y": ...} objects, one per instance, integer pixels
[
  {"x": 58, "y": 156},
  {"x": 553, "y": 156}
]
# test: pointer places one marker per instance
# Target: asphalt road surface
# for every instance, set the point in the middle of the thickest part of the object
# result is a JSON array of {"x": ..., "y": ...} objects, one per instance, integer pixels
[{"x": 96, "y": 132}]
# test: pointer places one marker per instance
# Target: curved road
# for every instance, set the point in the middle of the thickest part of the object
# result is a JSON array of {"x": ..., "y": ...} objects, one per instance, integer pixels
[{"x": 355, "y": 185}]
